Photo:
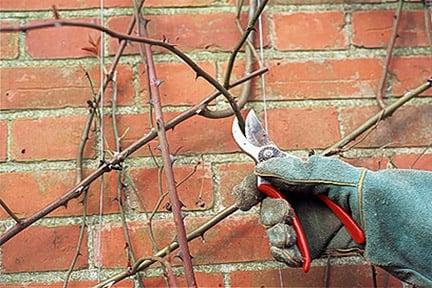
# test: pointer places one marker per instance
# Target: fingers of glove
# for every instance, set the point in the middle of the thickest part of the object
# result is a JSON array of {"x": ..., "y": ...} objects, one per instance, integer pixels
[
  {"x": 290, "y": 256},
  {"x": 274, "y": 211},
  {"x": 277, "y": 215},
  {"x": 246, "y": 194},
  {"x": 281, "y": 235}
]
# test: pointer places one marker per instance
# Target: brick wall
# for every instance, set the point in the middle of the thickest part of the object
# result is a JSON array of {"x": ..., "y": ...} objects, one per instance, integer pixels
[{"x": 325, "y": 60}]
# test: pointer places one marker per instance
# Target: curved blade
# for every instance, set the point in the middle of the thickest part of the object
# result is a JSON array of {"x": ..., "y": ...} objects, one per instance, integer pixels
[
  {"x": 244, "y": 144},
  {"x": 255, "y": 132}
]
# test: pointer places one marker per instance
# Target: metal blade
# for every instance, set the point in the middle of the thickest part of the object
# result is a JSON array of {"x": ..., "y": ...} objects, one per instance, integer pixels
[
  {"x": 255, "y": 133},
  {"x": 244, "y": 144}
]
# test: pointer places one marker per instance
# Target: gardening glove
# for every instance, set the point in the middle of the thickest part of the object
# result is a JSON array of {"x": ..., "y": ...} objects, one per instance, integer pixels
[{"x": 393, "y": 207}]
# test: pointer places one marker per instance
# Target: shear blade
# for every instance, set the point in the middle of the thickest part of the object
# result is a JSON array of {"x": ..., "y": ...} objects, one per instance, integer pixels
[{"x": 255, "y": 133}]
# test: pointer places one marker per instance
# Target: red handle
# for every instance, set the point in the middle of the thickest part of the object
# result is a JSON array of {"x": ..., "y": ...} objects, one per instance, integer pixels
[
  {"x": 271, "y": 191},
  {"x": 351, "y": 226}
]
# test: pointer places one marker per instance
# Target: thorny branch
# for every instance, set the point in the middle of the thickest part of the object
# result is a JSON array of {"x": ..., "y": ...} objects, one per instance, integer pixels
[
  {"x": 386, "y": 112},
  {"x": 390, "y": 46},
  {"x": 80, "y": 240},
  {"x": 120, "y": 185},
  {"x": 176, "y": 205}
]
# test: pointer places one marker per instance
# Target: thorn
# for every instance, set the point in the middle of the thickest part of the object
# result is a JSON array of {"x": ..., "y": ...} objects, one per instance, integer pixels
[
  {"x": 179, "y": 255},
  {"x": 172, "y": 158},
  {"x": 164, "y": 39},
  {"x": 145, "y": 22},
  {"x": 55, "y": 12},
  {"x": 197, "y": 75},
  {"x": 158, "y": 82},
  {"x": 200, "y": 203},
  {"x": 202, "y": 238},
  {"x": 311, "y": 152},
  {"x": 184, "y": 215}
]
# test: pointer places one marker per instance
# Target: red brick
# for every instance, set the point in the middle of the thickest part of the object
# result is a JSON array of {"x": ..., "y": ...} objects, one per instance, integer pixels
[
  {"x": 373, "y": 28},
  {"x": 195, "y": 191},
  {"x": 212, "y": 32},
  {"x": 346, "y": 78},
  {"x": 340, "y": 276},
  {"x": 236, "y": 239},
  {"x": 193, "y": 136},
  {"x": 202, "y": 279},
  {"x": 9, "y": 5},
  {"x": 232, "y": 174},
  {"x": 72, "y": 284},
  {"x": 44, "y": 249},
  {"x": 48, "y": 138},
  {"x": 372, "y": 163},
  {"x": 43, "y": 187},
  {"x": 179, "y": 86},
  {"x": 299, "y": 128},
  {"x": 3, "y": 140},
  {"x": 409, "y": 126},
  {"x": 8, "y": 43},
  {"x": 56, "y": 87},
  {"x": 410, "y": 72},
  {"x": 61, "y": 42},
  {"x": 310, "y": 31},
  {"x": 413, "y": 161}
]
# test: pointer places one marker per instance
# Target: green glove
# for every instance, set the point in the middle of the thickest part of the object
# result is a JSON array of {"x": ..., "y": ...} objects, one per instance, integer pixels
[{"x": 393, "y": 207}]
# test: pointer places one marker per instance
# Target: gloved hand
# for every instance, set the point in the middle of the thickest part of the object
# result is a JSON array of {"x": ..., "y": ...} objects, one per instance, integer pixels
[{"x": 393, "y": 207}]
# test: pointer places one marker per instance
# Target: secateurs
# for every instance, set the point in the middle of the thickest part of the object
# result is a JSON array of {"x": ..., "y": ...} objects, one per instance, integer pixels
[{"x": 258, "y": 145}]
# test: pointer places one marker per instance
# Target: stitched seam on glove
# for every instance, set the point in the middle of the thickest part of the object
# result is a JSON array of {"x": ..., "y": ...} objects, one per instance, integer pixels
[
  {"x": 309, "y": 181},
  {"x": 360, "y": 196}
]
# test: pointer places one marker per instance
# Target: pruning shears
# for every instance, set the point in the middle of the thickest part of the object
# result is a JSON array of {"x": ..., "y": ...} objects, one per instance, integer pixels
[{"x": 256, "y": 143}]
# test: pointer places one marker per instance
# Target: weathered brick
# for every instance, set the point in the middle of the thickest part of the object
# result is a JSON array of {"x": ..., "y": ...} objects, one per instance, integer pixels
[
  {"x": 373, "y": 28},
  {"x": 3, "y": 140},
  {"x": 48, "y": 138},
  {"x": 179, "y": 85},
  {"x": 56, "y": 87},
  {"x": 196, "y": 193},
  {"x": 202, "y": 279},
  {"x": 409, "y": 126},
  {"x": 9, "y": 5},
  {"x": 44, "y": 249},
  {"x": 299, "y": 128},
  {"x": 346, "y": 78},
  {"x": 8, "y": 43},
  {"x": 413, "y": 161},
  {"x": 232, "y": 174},
  {"x": 212, "y": 32},
  {"x": 340, "y": 276},
  {"x": 310, "y": 31},
  {"x": 60, "y": 42},
  {"x": 410, "y": 72},
  {"x": 236, "y": 239},
  {"x": 43, "y": 187}
]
